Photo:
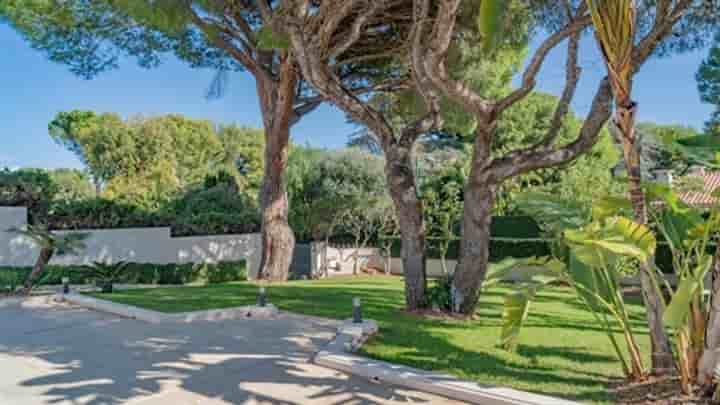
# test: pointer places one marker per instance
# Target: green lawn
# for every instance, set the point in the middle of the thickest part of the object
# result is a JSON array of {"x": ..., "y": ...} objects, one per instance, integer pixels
[{"x": 561, "y": 351}]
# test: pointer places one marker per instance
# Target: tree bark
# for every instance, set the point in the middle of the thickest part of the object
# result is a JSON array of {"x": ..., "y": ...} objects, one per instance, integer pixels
[
  {"x": 474, "y": 245},
  {"x": 278, "y": 239},
  {"x": 662, "y": 358},
  {"x": 37, "y": 270},
  {"x": 479, "y": 198},
  {"x": 401, "y": 180}
]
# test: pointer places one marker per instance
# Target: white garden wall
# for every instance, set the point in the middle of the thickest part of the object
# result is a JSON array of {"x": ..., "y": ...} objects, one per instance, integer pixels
[{"x": 140, "y": 245}]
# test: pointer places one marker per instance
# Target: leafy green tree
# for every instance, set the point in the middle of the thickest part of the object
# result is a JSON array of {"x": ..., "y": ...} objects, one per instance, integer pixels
[
  {"x": 708, "y": 80},
  {"x": 31, "y": 188},
  {"x": 399, "y": 117},
  {"x": 215, "y": 207},
  {"x": 241, "y": 155},
  {"x": 72, "y": 184},
  {"x": 103, "y": 143},
  {"x": 228, "y": 36},
  {"x": 146, "y": 160},
  {"x": 325, "y": 185}
]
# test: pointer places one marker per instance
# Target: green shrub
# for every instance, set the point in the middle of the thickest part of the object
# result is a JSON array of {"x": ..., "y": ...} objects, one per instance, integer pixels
[
  {"x": 439, "y": 295},
  {"x": 100, "y": 213},
  {"x": 136, "y": 273},
  {"x": 216, "y": 210}
]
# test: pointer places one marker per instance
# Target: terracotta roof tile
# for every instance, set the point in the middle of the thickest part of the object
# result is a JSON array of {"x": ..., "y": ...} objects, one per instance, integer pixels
[{"x": 711, "y": 181}]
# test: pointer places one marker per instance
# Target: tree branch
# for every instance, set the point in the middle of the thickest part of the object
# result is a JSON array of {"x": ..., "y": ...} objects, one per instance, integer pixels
[
  {"x": 528, "y": 80},
  {"x": 355, "y": 31},
  {"x": 662, "y": 27},
  {"x": 572, "y": 76},
  {"x": 315, "y": 70},
  {"x": 431, "y": 119},
  {"x": 435, "y": 60},
  {"x": 525, "y": 160}
]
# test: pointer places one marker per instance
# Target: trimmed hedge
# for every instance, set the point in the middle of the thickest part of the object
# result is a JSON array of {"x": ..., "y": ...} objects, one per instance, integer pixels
[
  {"x": 524, "y": 227},
  {"x": 520, "y": 227},
  {"x": 135, "y": 273}
]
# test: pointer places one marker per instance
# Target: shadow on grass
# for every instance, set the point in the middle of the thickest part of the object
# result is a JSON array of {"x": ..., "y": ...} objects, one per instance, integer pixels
[{"x": 468, "y": 349}]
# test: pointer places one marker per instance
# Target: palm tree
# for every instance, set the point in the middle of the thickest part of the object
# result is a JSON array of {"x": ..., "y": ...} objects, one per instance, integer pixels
[
  {"x": 50, "y": 244},
  {"x": 614, "y": 22}
]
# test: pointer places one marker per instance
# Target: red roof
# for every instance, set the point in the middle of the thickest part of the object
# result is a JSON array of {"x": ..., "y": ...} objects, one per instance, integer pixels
[{"x": 711, "y": 181}]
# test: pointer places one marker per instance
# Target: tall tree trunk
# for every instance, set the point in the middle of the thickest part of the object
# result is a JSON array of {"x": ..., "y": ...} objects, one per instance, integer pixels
[
  {"x": 474, "y": 246},
  {"x": 401, "y": 180},
  {"x": 278, "y": 240},
  {"x": 479, "y": 198},
  {"x": 662, "y": 358},
  {"x": 37, "y": 270},
  {"x": 710, "y": 356}
]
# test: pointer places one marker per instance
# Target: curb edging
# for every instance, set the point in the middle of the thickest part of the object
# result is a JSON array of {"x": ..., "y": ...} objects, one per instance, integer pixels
[
  {"x": 350, "y": 337},
  {"x": 150, "y": 316}
]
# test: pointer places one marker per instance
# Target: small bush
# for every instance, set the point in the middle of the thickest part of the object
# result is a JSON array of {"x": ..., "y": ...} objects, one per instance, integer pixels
[
  {"x": 439, "y": 295},
  {"x": 135, "y": 273}
]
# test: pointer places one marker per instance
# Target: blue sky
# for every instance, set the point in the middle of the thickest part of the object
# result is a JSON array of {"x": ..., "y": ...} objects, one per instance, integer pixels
[{"x": 34, "y": 90}]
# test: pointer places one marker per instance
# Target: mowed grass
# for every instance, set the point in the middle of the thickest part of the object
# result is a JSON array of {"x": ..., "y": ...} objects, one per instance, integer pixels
[{"x": 562, "y": 351}]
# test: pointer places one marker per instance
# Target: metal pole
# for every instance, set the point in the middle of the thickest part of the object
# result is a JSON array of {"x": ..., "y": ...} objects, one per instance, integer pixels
[
  {"x": 66, "y": 285},
  {"x": 262, "y": 297},
  {"x": 357, "y": 311}
]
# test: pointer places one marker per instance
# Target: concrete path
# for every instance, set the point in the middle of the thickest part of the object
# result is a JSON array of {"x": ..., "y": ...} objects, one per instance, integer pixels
[{"x": 60, "y": 354}]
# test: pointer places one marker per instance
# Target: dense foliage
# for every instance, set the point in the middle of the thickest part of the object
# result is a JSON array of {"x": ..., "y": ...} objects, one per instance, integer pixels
[{"x": 133, "y": 273}]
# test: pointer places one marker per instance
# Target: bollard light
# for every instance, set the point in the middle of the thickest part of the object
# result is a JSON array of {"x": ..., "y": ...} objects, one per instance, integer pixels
[
  {"x": 262, "y": 297},
  {"x": 357, "y": 312},
  {"x": 66, "y": 285}
]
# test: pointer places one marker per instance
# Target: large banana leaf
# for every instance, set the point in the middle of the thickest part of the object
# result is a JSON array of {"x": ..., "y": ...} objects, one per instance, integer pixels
[
  {"x": 679, "y": 227},
  {"x": 676, "y": 313},
  {"x": 554, "y": 214},
  {"x": 610, "y": 206},
  {"x": 539, "y": 270},
  {"x": 517, "y": 306},
  {"x": 665, "y": 194},
  {"x": 515, "y": 312},
  {"x": 598, "y": 244},
  {"x": 591, "y": 285},
  {"x": 497, "y": 272},
  {"x": 490, "y": 22}
]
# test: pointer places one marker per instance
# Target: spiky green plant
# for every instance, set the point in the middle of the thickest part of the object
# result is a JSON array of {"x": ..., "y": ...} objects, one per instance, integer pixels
[{"x": 105, "y": 274}]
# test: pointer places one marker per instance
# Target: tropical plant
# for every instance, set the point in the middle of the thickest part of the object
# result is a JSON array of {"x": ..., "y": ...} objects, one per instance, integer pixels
[
  {"x": 688, "y": 233},
  {"x": 50, "y": 244},
  {"x": 105, "y": 274},
  {"x": 615, "y": 27},
  {"x": 589, "y": 256}
]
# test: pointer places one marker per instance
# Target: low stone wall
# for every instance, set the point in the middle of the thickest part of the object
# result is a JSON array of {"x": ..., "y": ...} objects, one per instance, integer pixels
[{"x": 140, "y": 245}]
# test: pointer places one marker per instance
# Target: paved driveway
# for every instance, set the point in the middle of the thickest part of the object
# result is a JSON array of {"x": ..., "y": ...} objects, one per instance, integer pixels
[{"x": 52, "y": 354}]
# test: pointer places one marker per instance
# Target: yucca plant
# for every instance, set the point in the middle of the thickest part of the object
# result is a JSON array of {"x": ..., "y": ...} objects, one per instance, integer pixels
[
  {"x": 614, "y": 23},
  {"x": 50, "y": 244},
  {"x": 106, "y": 274}
]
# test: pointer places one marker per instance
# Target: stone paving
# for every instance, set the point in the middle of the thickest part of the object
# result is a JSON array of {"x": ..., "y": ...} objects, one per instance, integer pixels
[{"x": 61, "y": 354}]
